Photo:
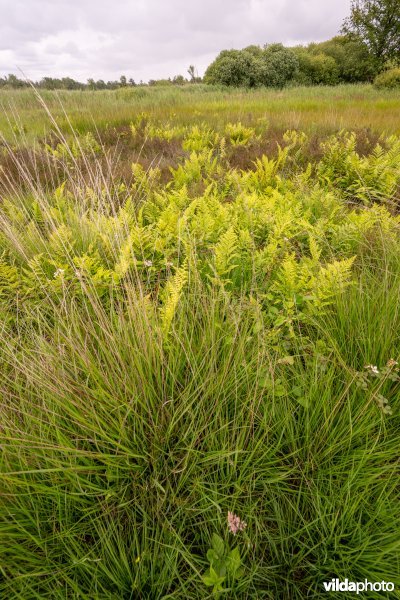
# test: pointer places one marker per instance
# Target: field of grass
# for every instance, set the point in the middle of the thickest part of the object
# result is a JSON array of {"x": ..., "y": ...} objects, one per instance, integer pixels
[
  {"x": 200, "y": 315},
  {"x": 313, "y": 110}
]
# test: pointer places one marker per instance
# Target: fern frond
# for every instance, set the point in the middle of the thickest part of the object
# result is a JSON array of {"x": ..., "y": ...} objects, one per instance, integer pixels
[
  {"x": 9, "y": 279},
  {"x": 226, "y": 252},
  {"x": 332, "y": 279},
  {"x": 171, "y": 295}
]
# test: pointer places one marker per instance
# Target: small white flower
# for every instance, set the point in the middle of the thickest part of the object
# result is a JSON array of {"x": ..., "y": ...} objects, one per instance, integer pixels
[
  {"x": 372, "y": 368},
  {"x": 148, "y": 263},
  {"x": 78, "y": 274},
  {"x": 59, "y": 273}
]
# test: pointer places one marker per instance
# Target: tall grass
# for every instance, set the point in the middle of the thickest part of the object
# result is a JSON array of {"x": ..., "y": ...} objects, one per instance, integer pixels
[
  {"x": 127, "y": 437},
  {"x": 312, "y": 109},
  {"x": 121, "y": 458}
]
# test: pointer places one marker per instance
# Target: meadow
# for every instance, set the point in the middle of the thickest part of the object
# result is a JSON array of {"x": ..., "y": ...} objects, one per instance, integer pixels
[
  {"x": 312, "y": 109},
  {"x": 200, "y": 317}
]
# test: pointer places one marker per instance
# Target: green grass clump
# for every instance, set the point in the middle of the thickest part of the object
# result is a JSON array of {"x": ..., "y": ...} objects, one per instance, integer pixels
[{"x": 223, "y": 342}]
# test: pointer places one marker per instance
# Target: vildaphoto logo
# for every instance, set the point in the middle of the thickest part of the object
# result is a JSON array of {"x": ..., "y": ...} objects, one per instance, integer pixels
[{"x": 335, "y": 585}]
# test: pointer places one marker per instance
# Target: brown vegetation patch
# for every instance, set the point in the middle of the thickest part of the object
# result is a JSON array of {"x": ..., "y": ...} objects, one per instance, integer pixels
[{"x": 26, "y": 167}]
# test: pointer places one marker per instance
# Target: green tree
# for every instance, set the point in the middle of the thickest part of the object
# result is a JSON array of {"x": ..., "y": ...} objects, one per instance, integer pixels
[
  {"x": 255, "y": 50},
  {"x": 377, "y": 23},
  {"x": 179, "y": 80},
  {"x": 101, "y": 84},
  {"x": 352, "y": 57},
  {"x": 192, "y": 73},
  {"x": 278, "y": 65},
  {"x": 316, "y": 69},
  {"x": 234, "y": 68},
  {"x": 389, "y": 79},
  {"x": 273, "y": 66},
  {"x": 14, "y": 82}
]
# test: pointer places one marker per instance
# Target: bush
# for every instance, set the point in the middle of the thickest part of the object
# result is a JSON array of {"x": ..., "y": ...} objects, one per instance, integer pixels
[
  {"x": 342, "y": 59},
  {"x": 279, "y": 64},
  {"x": 317, "y": 69},
  {"x": 272, "y": 66},
  {"x": 234, "y": 68},
  {"x": 352, "y": 57},
  {"x": 388, "y": 79}
]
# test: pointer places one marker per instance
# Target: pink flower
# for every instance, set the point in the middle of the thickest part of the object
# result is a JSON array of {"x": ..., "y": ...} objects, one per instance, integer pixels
[{"x": 235, "y": 523}]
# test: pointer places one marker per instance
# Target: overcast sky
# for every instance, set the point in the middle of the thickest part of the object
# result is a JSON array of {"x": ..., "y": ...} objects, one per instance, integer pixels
[{"x": 149, "y": 39}]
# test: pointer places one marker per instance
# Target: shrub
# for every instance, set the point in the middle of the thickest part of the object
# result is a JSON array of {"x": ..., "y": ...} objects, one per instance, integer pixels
[
  {"x": 388, "y": 79},
  {"x": 317, "y": 69},
  {"x": 234, "y": 68},
  {"x": 272, "y": 66},
  {"x": 352, "y": 58},
  {"x": 278, "y": 65}
]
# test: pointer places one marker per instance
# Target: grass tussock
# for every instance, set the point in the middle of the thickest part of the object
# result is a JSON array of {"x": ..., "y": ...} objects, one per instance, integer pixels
[{"x": 174, "y": 351}]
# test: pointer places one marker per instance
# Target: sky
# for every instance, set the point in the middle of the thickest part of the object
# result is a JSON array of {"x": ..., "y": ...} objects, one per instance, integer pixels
[{"x": 149, "y": 39}]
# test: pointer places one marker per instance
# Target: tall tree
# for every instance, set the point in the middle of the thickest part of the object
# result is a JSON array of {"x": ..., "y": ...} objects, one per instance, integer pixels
[
  {"x": 377, "y": 23},
  {"x": 192, "y": 73}
]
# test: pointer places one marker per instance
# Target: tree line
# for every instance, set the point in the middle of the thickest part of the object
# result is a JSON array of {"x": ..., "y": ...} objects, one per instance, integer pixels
[
  {"x": 339, "y": 60},
  {"x": 369, "y": 44},
  {"x": 67, "y": 83}
]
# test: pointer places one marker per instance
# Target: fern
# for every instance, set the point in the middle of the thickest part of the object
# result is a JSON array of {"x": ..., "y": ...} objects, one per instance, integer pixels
[
  {"x": 331, "y": 280},
  {"x": 226, "y": 252},
  {"x": 61, "y": 243},
  {"x": 200, "y": 138},
  {"x": 314, "y": 249},
  {"x": 9, "y": 279},
  {"x": 171, "y": 295},
  {"x": 239, "y": 135}
]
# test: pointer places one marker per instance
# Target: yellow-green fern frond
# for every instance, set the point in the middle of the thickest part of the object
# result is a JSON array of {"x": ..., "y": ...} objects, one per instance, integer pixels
[
  {"x": 171, "y": 296},
  {"x": 226, "y": 252},
  {"x": 331, "y": 280},
  {"x": 9, "y": 279}
]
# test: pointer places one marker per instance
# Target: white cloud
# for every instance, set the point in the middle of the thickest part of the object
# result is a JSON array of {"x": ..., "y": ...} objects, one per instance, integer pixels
[{"x": 149, "y": 38}]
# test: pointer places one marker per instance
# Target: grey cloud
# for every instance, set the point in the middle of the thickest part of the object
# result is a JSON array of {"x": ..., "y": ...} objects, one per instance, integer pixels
[{"x": 150, "y": 38}]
